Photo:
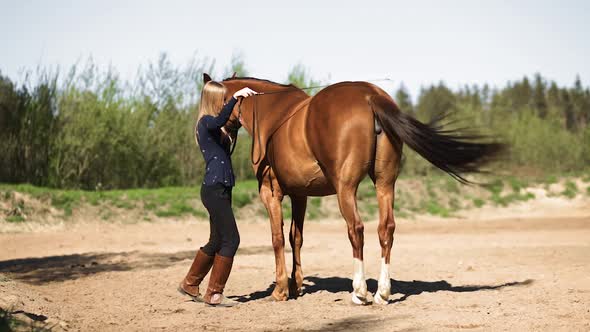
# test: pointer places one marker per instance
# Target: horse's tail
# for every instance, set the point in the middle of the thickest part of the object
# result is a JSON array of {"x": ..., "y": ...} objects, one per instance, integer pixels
[{"x": 446, "y": 149}]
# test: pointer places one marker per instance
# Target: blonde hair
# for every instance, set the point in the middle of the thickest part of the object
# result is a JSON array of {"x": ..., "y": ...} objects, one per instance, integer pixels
[{"x": 212, "y": 98}]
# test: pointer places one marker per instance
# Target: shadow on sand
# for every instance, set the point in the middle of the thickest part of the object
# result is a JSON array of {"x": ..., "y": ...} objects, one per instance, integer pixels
[
  {"x": 313, "y": 284},
  {"x": 68, "y": 267}
]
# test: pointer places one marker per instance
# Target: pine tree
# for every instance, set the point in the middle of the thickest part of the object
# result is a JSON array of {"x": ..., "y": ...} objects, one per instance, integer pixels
[
  {"x": 553, "y": 95},
  {"x": 568, "y": 110},
  {"x": 485, "y": 94},
  {"x": 434, "y": 102},
  {"x": 580, "y": 103},
  {"x": 521, "y": 94},
  {"x": 539, "y": 100},
  {"x": 476, "y": 100},
  {"x": 403, "y": 100}
]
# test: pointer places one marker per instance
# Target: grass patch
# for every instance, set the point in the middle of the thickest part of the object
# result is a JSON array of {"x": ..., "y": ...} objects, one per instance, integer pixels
[
  {"x": 315, "y": 202},
  {"x": 495, "y": 187},
  {"x": 176, "y": 209},
  {"x": 451, "y": 185},
  {"x": 124, "y": 205},
  {"x": 435, "y": 194},
  {"x": 149, "y": 206},
  {"x": 517, "y": 184},
  {"x": 571, "y": 190},
  {"x": 434, "y": 208},
  {"x": 365, "y": 190},
  {"x": 241, "y": 199},
  {"x": 454, "y": 203},
  {"x": 478, "y": 202},
  {"x": 244, "y": 193},
  {"x": 551, "y": 179},
  {"x": 370, "y": 209},
  {"x": 8, "y": 195},
  {"x": 16, "y": 218},
  {"x": 313, "y": 210},
  {"x": 106, "y": 215}
]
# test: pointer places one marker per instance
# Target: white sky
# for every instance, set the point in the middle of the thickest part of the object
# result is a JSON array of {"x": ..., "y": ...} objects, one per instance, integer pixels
[{"x": 417, "y": 42}]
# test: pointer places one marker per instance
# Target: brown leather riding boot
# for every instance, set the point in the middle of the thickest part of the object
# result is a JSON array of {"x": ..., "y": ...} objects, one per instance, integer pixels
[
  {"x": 219, "y": 274},
  {"x": 197, "y": 272}
]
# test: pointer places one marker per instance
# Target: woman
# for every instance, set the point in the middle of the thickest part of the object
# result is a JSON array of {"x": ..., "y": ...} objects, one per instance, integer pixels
[{"x": 224, "y": 239}]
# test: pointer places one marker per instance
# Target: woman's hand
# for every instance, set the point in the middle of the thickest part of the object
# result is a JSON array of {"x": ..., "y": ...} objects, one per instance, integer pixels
[{"x": 245, "y": 92}]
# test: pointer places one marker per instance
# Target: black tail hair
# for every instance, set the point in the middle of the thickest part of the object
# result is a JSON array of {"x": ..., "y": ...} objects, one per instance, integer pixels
[{"x": 446, "y": 149}]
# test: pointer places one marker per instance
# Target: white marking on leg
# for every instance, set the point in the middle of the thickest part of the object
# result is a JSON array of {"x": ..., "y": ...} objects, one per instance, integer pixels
[
  {"x": 384, "y": 284},
  {"x": 359, "y": 284}
]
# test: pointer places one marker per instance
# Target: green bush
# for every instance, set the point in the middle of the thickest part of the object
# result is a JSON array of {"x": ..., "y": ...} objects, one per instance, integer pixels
[
  {"x": 88, "y": 129},
  {"x": 571, "y": 190}
]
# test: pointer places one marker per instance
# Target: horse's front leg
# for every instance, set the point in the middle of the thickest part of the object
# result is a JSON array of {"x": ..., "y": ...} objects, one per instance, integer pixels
[{"x": 272, "y": 201}]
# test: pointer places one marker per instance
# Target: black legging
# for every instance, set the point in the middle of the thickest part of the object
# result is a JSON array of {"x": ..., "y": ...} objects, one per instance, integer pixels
[{"x": 224, "y": 238}]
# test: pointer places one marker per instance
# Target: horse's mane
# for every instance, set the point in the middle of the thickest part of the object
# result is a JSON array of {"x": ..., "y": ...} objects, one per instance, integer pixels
[{"x": 260, "y": 80}]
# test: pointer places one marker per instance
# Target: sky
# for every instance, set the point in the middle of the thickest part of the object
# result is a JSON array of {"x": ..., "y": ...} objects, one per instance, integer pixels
[{"x": 414, "y": 42}]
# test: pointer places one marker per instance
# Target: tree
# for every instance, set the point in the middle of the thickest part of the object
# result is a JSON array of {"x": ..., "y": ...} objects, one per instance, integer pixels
[
  {"x": 435, "y": 101},
  {"x": 568, "y": 111},
  {"x": 581, "y": 104},
  {"x": 403, "y": 100},
  {"x": 553, "y": 95},
  {"x": 237, "y": 66},
  {"x": 485, "y": 94},
  {"x": 520, "y": 94},
  {"x": 13, "y": 103},
  {"x": 539, "y": 100},
  {"x": 300, "y": 77}
]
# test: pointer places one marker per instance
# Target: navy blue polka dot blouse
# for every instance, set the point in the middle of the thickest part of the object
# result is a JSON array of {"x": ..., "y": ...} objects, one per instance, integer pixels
[{"x": 217, "y": 159}]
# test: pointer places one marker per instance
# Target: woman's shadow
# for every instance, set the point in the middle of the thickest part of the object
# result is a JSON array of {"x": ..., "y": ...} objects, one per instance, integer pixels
[{"x": 313, "y": 284}]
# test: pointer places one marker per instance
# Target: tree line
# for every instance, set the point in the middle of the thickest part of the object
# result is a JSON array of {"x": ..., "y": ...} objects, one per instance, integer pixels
[{"x": 89, "y": 129}]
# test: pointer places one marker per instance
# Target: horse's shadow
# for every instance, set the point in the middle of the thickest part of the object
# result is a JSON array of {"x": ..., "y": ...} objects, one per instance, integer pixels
[{"x": 314, "y": 284}]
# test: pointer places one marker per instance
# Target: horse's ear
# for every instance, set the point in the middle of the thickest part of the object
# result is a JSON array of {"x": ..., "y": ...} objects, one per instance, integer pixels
[
  {"x": 234, "y": 75},
  {"x": 206, "y": 78}
]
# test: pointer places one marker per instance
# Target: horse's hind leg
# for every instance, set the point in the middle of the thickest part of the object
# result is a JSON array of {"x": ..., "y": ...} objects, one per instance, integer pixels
[
  {"x": 347, "y": 202},
  {"x": 299, "y": 205},
  {"x": 387, "y": 160}
]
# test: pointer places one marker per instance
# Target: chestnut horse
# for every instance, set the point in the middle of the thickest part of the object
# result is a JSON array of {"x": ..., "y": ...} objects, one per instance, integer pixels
[{"x": 326, "y": 144}]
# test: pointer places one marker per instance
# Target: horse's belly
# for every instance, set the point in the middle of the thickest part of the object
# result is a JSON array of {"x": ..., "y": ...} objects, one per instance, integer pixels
[
  {"x": 307, "y": 179},
  {"x": 294, "y": 164}
]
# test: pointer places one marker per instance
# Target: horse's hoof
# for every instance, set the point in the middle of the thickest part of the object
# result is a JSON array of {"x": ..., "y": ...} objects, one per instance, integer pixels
[
  {"x": 361, "y": 300},
  {"x": 380, "y": 299},
  {"x": 278, "y": 297},
  {"x": 295, "y": 291}
]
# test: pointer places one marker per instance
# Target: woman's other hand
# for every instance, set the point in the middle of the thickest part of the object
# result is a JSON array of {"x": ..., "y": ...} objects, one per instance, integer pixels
[{"x": 245, "y": 92}]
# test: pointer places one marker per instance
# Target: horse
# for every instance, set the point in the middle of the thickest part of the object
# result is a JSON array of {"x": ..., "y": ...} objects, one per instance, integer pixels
[{"x": 326, "y": 144}]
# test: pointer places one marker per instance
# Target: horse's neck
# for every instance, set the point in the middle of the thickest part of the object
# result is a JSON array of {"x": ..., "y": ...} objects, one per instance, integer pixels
[
  {"x": 269, "y": 112},
  {"x": 276, "y": 94}
]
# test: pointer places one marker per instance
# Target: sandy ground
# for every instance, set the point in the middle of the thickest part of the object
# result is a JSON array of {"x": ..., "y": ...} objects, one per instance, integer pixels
[{"x": 510, "y": 273}]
